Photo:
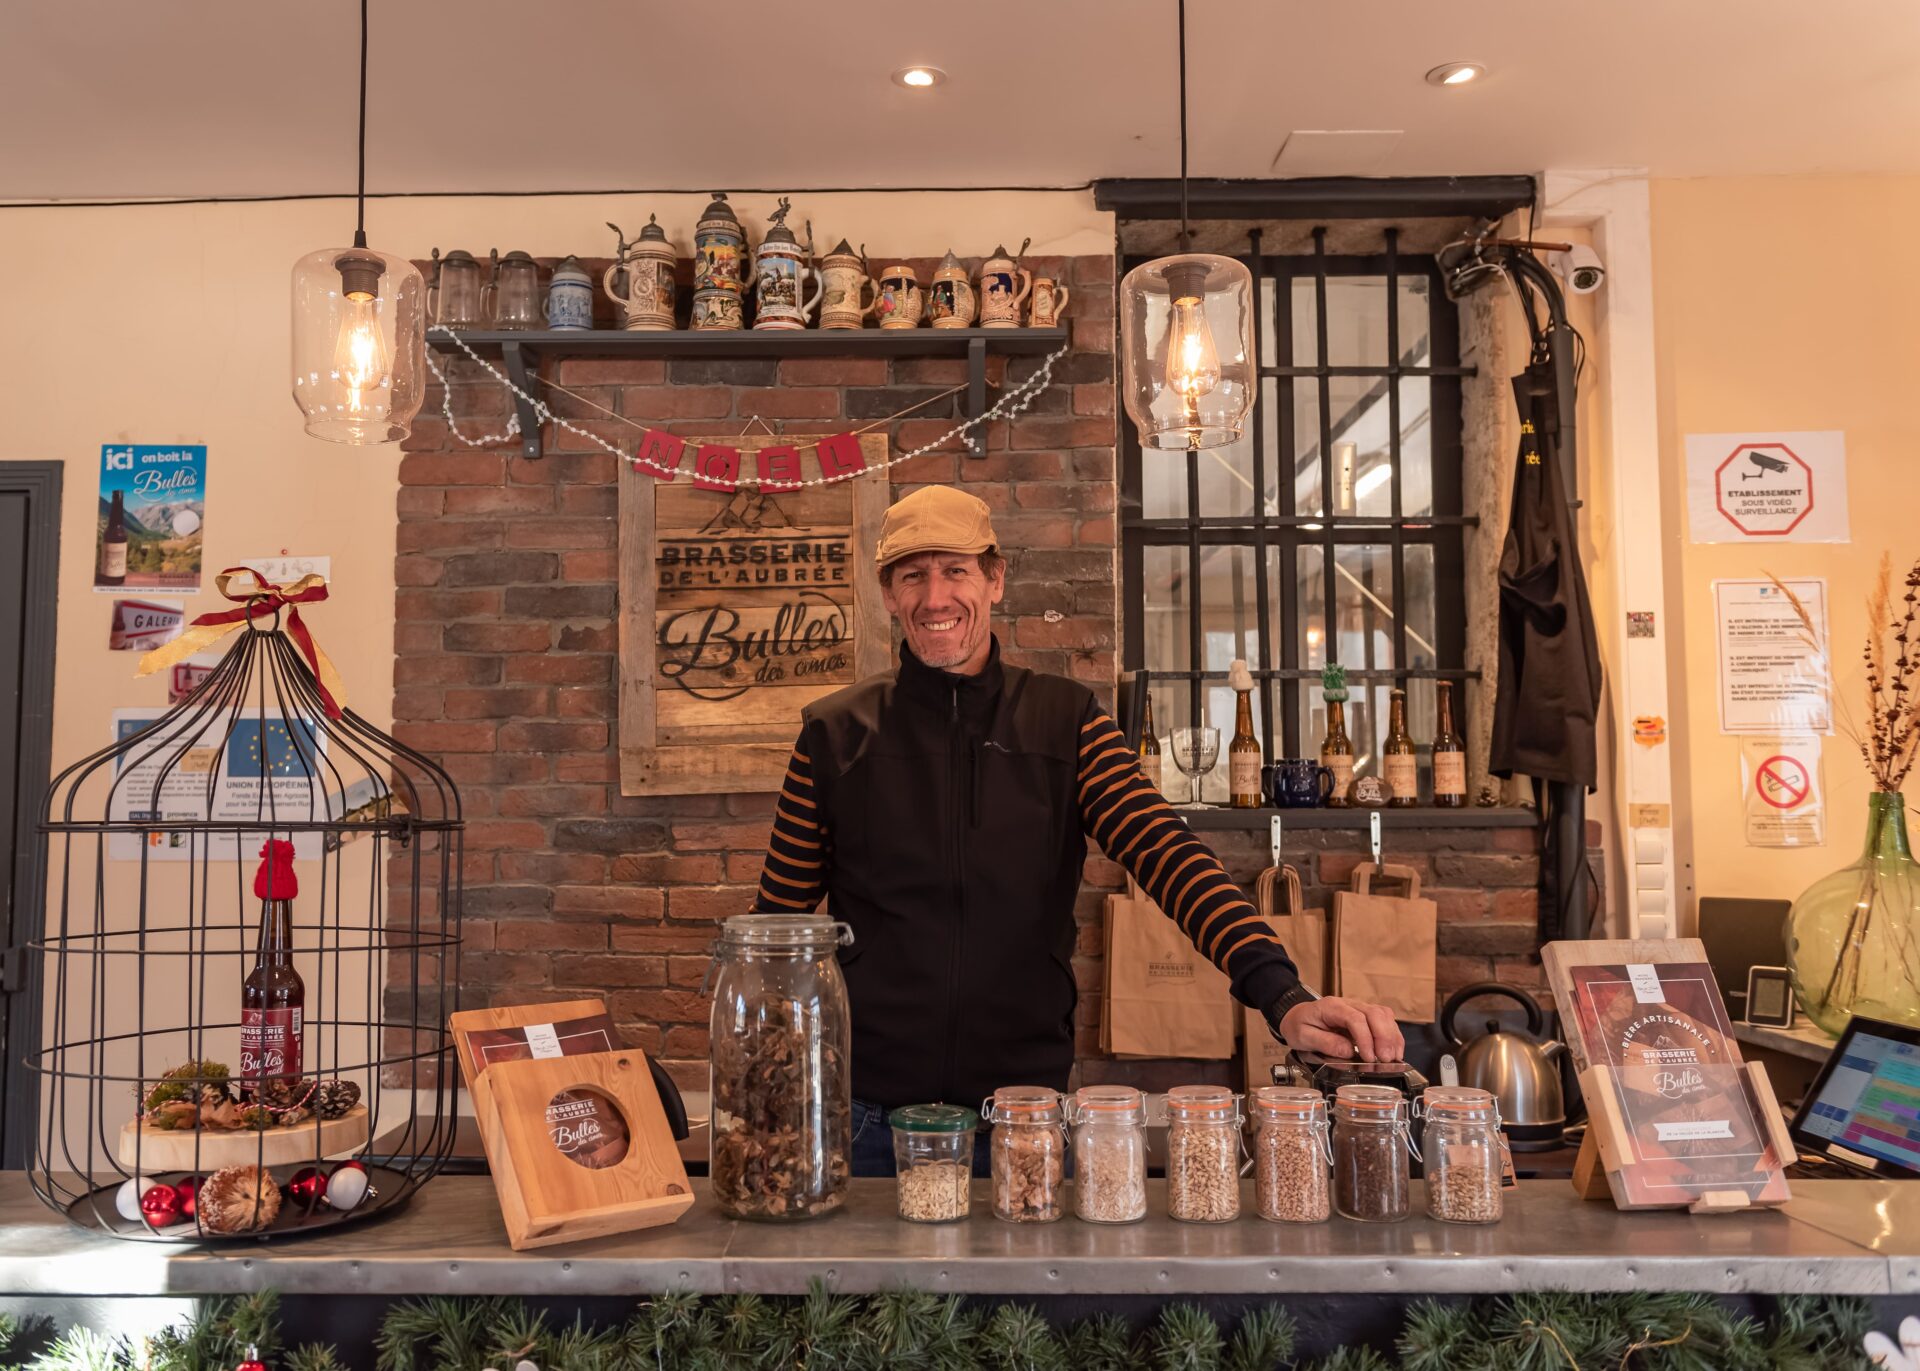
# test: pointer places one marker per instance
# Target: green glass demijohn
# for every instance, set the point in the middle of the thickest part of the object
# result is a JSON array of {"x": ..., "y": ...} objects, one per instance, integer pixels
[{"x": 1853, "y": 938}]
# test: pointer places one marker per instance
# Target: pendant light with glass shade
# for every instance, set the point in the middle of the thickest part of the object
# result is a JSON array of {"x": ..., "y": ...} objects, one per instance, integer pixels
[
  {"x": 1187, "y": 362},
  {"x": 359, "y": 328}
]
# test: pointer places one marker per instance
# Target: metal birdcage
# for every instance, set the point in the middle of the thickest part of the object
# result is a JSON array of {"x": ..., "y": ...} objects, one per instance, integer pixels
[{"x": 155, "y": 920}]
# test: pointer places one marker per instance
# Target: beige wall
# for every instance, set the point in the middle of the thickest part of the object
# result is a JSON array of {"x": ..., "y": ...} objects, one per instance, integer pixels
[{"x": 1780, "y": 304}]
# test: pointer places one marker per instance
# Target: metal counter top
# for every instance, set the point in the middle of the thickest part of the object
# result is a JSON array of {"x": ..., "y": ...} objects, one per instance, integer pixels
[{"x": 1836, "y": 1237}]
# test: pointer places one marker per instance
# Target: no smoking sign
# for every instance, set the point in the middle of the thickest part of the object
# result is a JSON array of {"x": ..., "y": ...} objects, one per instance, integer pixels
[{"x": 1781, "y": 780}]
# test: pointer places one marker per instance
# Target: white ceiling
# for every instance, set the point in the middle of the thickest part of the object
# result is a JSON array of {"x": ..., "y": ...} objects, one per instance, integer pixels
[{"x": 128, "y": 98}]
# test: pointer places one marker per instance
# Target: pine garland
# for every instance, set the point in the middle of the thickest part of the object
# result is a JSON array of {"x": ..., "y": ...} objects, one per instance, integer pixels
[{"x": 913, "y": 1330}]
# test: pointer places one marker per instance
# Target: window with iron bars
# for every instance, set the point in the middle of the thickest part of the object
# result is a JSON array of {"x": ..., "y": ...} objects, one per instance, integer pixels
[{"x": 1332, "y": 532}]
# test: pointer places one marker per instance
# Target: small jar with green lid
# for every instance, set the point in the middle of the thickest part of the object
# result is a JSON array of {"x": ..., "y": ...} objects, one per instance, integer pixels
[{"x": 933, "y": 1160}]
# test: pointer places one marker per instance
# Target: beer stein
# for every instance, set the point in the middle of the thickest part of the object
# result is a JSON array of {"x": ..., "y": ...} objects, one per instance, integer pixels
[
  {"x": 515, "y": 289},
  {"x": 999, "y": 302},
  {"x": 720, "y": 266},
  {"x": 570, "y": 298},
  {"x": 900, "y": 302},
  {"x": 456, "y": 298},
  {"x": 641, "y": 282},
  {"x": 1047, "y": 303},
  {"x": 718, "y": 307},
  {"x": 843, "y": 284},
  {"x": 950, "y": 302},
  {"x": 781, "y": 272}
]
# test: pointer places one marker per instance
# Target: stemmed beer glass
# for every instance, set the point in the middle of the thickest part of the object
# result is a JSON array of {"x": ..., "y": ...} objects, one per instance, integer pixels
[{"x": 1195, "y": 750}]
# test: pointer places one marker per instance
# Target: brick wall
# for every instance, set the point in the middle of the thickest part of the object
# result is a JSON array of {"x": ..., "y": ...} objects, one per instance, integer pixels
[{"x": 504, "y": 638}]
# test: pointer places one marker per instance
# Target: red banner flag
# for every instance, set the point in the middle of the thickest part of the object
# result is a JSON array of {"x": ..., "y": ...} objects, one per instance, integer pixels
[
  {"x": 779, "y": 468},
  {"x": 840, "y": 455},
  {"x": 716, "y": 468},
  {"x": 659, "y": 455}
]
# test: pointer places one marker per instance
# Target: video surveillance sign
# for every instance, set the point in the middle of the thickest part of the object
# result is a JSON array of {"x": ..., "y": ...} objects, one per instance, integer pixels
[{"x": 1767, "y": 487}]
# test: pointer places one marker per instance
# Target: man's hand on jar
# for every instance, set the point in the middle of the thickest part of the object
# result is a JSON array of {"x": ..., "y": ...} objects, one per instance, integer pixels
[{"x": 1337, "y": 1027}]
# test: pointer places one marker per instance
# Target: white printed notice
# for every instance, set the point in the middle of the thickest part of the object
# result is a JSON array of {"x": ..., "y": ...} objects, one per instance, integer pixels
[
  {"x": 1773, "y": 657},
  {"x": 263, "y": 772},
  {"x": 1767, "y": 487}
]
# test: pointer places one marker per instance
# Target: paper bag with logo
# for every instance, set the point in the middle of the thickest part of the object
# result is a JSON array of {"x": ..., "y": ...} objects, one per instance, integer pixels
[
  {"x": 1303, "y": 932},
  {"x": 1384, "y": 946},
  {"x": 1164, "y": 998}
]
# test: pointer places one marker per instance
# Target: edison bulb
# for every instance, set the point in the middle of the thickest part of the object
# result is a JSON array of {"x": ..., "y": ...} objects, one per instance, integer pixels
[
  {"x": 1193, "y": 364},
  {"x": 361, "y": 359}
]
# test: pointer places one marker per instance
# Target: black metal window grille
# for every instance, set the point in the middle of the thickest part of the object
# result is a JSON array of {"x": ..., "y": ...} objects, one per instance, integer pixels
[{"x": 1313, "y": 570}]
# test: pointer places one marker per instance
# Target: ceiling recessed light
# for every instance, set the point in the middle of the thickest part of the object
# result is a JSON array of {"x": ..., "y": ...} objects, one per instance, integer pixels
[
  {"x": 1455, "y": 73},
  {"x": 919, "y": 78}
]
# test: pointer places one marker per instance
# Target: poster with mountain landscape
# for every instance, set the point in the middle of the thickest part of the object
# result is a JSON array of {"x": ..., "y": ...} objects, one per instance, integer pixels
[{"x": 152, "y": 517}]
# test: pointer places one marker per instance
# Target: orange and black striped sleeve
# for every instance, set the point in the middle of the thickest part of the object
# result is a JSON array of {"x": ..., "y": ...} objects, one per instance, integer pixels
[
  {"x": 1134, "y": 826},
  {"x": 794, "y": 877}
]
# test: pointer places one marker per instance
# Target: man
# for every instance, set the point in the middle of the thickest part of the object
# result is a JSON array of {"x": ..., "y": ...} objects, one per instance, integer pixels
[{"x": 944, "y": 810}]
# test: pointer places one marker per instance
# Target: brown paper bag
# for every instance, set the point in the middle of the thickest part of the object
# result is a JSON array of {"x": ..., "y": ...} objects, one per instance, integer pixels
[
  {"x": 1302, "y": 931},
  {"x": 1164, "y": 998},
  {"x": 1384, "y": 946}
]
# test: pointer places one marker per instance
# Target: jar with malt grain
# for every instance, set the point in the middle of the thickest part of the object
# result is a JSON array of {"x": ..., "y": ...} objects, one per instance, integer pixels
[
  {"x": 1203, "y": 1154},
  {"x": 1291, "y": 1150},
  {"x": 1371, "y": 1145},
  {"x": 1029, "y": 1153},
  {"x": 1109, "y": 1154},
  {"x": 933, "y": 1161},
  {"x": 1461, "y": 1147}
]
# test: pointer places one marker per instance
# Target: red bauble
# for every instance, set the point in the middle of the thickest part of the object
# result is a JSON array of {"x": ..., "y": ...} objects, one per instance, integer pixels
[
  {"x": 253, "y": 1362},
  {"x": 307, "y": 1186},
  {"x": 188, "y": 1189},
  {"x": 160, "y": 1206}
]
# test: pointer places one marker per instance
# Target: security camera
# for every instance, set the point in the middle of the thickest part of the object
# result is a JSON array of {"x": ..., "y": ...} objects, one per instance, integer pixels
[{"x": 1580, "y": 268}]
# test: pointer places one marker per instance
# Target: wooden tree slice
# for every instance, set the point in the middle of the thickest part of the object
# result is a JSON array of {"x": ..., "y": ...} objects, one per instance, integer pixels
[{"x": 154, "y": 1150}]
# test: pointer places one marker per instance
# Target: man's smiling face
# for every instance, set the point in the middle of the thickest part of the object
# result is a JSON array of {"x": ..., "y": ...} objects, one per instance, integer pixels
[{"x": 944, "y": 602}]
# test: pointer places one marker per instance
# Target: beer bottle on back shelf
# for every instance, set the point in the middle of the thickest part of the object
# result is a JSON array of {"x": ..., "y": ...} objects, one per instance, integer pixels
[
  {"x": 1399, "y": 763},
  {"x": 113, "y": 544},
  {"x": 1243, "y": 753},
  {"x": 1449, "y": 755},
  {"x": 273, "y": 996},
  {"x": 1151, "y": 762},
  {"x": 1336, "y": 751}
]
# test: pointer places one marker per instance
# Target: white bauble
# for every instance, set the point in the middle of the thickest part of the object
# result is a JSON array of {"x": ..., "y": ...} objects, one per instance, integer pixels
[{"x": 127, "y": 1199}]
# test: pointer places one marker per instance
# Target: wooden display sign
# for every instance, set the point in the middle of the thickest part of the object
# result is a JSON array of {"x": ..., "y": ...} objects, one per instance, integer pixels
[
  {"x": 576, "y": 1138},
  {"x": 737, "y": 609}
]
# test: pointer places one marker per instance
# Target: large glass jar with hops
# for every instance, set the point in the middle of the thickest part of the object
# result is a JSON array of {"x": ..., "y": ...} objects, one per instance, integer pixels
[{"x": 782, "y": 1096}]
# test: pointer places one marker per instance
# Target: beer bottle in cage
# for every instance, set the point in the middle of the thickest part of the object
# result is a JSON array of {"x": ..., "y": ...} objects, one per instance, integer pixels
[{"x": 273, "y": 995}]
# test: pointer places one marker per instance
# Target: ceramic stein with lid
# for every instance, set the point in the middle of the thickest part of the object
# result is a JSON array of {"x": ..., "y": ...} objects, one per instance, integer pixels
[
  {"x": 900, "y": 302},
  {"x": 781, "y": 272},
  {"x": 570, "y": 298},
  {"x": 951, "y": 300},
  {"x": 515, "y": 291},
  {"x": 1004, "y": 286},
  {"x": 1047, "y": 303},
  {"x": 843, "y": 286},
  {"x": 641, "y": 282},
  {"x": 720, "y": 267},
  {"x": 456, "y": 298}
]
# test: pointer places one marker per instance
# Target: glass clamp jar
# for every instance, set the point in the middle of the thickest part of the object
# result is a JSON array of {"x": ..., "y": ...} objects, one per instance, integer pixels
[
  {"x": 1203, "y": 1154},
  {"x": 933, "y": 1161},
  {"x": 1291, "y": 1152},
  {"x": 782, "y": 1098},
  {"x": 1028, "y": 1152},
  {"x": 1461, "y": 1148},
  {"x": 1372, "y": 1181},
  {"x": 1109, "y": 1154}
]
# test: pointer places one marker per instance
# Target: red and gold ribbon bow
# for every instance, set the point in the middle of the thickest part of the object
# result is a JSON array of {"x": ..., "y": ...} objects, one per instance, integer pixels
[{"x": 261, "y": 597}]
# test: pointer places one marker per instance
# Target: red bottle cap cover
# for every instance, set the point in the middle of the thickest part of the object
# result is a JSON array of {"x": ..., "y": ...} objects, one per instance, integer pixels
[{"x": 274, "y": 880}]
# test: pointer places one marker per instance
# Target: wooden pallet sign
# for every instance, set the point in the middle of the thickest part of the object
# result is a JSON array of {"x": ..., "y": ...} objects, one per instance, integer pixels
[{"x": 737, "y": 609}]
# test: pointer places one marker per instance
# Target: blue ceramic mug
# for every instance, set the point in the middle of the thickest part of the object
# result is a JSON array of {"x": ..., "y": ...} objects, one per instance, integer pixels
[{"x": 1301, "y": 783}]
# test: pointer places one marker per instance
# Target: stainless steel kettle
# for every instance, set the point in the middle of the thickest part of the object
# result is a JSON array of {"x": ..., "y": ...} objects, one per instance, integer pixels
[{"x": 1518, "y": 1069}]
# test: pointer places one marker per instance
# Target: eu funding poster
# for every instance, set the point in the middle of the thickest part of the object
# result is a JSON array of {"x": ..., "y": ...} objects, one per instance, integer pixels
[{"x": 153, "y": 509}]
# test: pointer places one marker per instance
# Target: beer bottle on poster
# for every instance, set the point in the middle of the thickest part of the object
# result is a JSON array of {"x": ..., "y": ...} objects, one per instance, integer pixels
[
  {"x": 1399, "y": 763},
  {"x": 1152, "y": 764},
  {"x": 1243, "y": 752},
  {"x": 1336, "y": 750},
  {"x": 1449, "y": 755},
  {"x": 113, "y": 544},
  {"x": 273, "y": 996}
]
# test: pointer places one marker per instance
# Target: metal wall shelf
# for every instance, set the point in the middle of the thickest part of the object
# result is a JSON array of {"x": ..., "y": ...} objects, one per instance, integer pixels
[
  {"x": 1219, "y": 819},
  {"x": 521, "y": 353}
]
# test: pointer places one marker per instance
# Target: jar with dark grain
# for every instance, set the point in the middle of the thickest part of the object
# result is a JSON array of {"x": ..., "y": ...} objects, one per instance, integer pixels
[{"x": 1372, "y": 1181}]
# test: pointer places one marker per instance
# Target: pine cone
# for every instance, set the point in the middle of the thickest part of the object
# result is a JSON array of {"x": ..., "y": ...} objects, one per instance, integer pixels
[{"x": 333, "y": 1099}]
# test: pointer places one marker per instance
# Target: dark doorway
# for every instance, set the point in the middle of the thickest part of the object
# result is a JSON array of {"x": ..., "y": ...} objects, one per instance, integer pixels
[{"x": 29, "y": 566}]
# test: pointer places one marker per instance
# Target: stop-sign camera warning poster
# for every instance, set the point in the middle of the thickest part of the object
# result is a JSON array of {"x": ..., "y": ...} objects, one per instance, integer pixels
[{"x": 1767, "y": 487}]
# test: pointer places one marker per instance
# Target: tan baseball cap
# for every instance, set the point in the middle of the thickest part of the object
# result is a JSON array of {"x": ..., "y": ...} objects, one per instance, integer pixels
[{"x": 935, "y": 519}]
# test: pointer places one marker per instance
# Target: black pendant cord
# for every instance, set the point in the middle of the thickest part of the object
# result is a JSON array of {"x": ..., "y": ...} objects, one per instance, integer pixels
[
  {"x": 1185, "y": 235},
  {"x": 360, "y": 195}
]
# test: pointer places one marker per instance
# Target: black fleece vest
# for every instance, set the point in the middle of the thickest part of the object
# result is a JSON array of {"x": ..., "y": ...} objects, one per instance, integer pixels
[{"x": 952, "y": 806}]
